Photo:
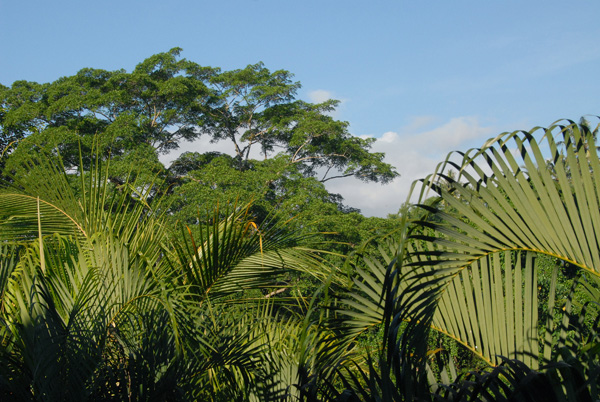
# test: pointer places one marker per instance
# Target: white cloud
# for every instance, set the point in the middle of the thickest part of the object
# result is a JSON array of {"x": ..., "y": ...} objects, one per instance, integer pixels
[
  {"x": 322, "y": 95},
  {"x": 458, "y": 132},
  {"x": 389, "y": 137},
  {"x": 415, "y": 155},
  {"x": 420, "y": 122},
  {"x": 200, "y": 145}
]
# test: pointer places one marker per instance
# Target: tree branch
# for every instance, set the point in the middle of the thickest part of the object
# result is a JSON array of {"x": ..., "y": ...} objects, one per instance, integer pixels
[
  {"x": 298, "y": 150},
  {"x": 323, "y": 180},
  {"x": 318, "y": 157}
]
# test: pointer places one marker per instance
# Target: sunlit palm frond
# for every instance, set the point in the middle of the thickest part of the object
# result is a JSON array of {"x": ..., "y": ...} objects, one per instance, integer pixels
[
  {"x": 19, "y": 218},
  {"x": 234, "y": 254},
  {"x": 91, "y": 304},
  {"x": 54, "y": 326},
  {"x": 43, "y": 196}
]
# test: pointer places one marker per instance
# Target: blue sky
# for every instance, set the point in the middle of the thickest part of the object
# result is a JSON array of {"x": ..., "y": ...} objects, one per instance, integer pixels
[{"x": 424, "y": 77}]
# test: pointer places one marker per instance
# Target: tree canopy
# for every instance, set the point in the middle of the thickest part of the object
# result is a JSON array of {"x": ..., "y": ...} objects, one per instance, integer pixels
[
  {"x": 281, "y": 149},
  {"x": 103, "y": 299},
  {"x": 167, "y": 100}
]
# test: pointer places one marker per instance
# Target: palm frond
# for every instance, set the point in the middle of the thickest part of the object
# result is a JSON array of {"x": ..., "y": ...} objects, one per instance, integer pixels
[
  {"x": 234, "y": 254},
  {"x": 505, "y": 208}
]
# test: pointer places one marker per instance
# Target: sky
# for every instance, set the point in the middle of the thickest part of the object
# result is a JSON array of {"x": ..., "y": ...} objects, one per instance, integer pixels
[{"x": 422, "y": 77}]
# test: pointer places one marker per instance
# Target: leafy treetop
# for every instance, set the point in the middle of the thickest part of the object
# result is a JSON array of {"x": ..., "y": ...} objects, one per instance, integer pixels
[{"x": 166, "y": 100}]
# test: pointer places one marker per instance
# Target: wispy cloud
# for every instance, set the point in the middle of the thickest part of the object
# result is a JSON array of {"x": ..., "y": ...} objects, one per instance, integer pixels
[
  {"x": 320, "y": 96},
  {"x": 200, "y": 145}
]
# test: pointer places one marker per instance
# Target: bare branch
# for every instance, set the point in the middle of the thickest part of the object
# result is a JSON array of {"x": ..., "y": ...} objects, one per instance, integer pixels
[
  {"x": 154, "y": 116},
  {"x": 298, "y": 150},
  {"x": 318, "y": 157},
  {"x": 326, "y": 173},
  {"x": 336, "y": 177}
]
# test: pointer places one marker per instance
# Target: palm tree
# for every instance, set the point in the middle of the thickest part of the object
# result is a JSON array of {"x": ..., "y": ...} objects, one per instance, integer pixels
[
  {"x": 83, "y": 288},
  {"x": 468, "y": 268},
  {"x": 101, "y": 301}
]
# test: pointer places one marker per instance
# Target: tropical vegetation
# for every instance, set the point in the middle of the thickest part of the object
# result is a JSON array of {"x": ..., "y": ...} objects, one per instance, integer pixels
[{"x": 228, "y": 278}]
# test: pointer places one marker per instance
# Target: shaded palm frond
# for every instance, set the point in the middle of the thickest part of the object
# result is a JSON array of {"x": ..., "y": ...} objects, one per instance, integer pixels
[{"x": 504, "y": 208}]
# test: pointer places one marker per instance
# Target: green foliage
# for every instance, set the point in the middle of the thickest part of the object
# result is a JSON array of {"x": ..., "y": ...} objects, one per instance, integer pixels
[
  {"x": 115, "y": 284},
  {"x": 281, "y": 151},
  {"x": 166, "y": 100},
  {"x": 100, "y": 301},
  {"x": 471, "y": 268}
]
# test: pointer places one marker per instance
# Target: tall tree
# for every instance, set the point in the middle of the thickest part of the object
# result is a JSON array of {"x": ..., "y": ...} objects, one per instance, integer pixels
[
  {"x": 280, "y": 146},
  {"x": 166, "y": 100},
  {"x": 99, "y": 300},
  {"x": 257, "y": 109}
]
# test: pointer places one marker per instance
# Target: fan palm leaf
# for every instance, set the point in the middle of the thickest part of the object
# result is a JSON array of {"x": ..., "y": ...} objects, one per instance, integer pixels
[
  {"x": 63, "y": 318},
  {"x": 87, "y": 272}
]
